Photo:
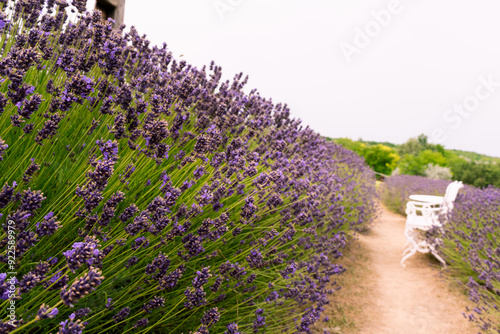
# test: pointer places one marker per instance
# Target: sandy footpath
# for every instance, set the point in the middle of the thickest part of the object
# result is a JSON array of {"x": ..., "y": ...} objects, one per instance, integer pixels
[{"x": 384, "y": 298}]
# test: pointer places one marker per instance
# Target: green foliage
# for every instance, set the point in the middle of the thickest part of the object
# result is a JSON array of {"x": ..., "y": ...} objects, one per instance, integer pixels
[
  {"x": 385, "y": 143},
  {"x": 417, "y": 157},
  {"x": 473, "y": 156},
  {"x": 412, "y": 147},
  {"x": 416, "y": 164},
  {"x": 477, "y": 174},
  {"x": 380, "y": 158},
  {"x": 355, "y": 146}
]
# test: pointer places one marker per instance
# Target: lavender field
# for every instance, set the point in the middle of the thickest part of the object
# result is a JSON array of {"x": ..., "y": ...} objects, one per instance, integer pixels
[{"x": 140, "y": 194}]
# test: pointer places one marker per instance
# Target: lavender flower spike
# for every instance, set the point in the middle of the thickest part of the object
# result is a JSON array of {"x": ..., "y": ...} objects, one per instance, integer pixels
[
  {"x": 3, "y": 148},
  {"x": 46, "y": 312},
  {"x": 70, "y": 326},
  {"x": 82, "y": 287}
]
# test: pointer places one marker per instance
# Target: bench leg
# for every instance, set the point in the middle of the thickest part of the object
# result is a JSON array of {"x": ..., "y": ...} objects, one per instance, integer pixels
[
  {"x": 408, "y": 249},
  {"x": 410, "y": 252},
  {"x": 406, "y": 245},
  {"x": 440, "y": 259}
]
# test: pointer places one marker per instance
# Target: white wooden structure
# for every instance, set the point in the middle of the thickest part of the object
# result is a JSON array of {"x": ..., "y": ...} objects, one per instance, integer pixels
[{"x": 424, "y": 212}]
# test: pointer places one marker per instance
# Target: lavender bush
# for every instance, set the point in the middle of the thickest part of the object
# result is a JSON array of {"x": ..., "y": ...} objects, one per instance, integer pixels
[
  {"x": 396, "y": 190},
  {"x": 468, "y": 241},
  {"x": 144, "y": 195},
  {"x": 471, "y": 246}
]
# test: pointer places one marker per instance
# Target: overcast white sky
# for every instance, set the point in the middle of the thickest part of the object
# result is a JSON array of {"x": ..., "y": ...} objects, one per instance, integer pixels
[{"x": 425, "y": 66}]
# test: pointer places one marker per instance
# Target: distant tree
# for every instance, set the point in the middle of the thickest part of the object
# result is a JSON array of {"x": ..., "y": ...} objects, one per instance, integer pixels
[
  {"x": 432, "y": 157},
  {"x": 411, "y": 147},
  {"x": 417, "y": 164},
  {"x": 355, "y": 146},
  {"x": 414, "y": 146},
  {"x": 381, "y": 158},
  {"x": 437, "y": 172},
  {"x": 477, "y": 174},
  {"x": 411, "y": 165},
  {"x": 422, "y": 139}
]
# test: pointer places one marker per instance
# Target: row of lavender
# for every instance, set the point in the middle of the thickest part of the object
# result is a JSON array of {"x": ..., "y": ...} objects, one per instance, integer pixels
[
  {"x": 141, "y": 194},
  {"x": 470, "y": 240}
]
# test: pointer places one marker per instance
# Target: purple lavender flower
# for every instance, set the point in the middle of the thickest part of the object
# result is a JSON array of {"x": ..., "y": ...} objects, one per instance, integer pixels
[
  {"x": 160, "y": 264},
  {"x": 102, "y": 172},
  {"x": 56, "y": 282},
  {"x": 3, "y": 148},
  {"x": 82, "y": 287},
  {"x": 49, "y": 129},
  {"x": 141, "y": 323},
  {"x": 232, "y": 328},
  {"x": 122, "y": 314},
  {"x": 25, "y": 240},
  {"x": 16, "y": 120},
  {"x": 70, "y": 326},
  {"x": 260, "y": 320},
  {"x": 109, "y": 149},
  {"x": 46, "y": 312},
  {"x": 129, "y": 213},
  {"x": 48, "y": 226},
  {"x": 8, "y": 326},
  {"x": 41, "y": 269},
  {"x": 30, "y": 171},
  {"x": 210, "y": 317},
  {"x": 82, "y": 312},
  {"x": 3, "y": 23},
  {"x": 86, "y": 252},
  {"x": 31, "y": 200},
  {"x": 30, "y": 106},
  {"x": 194, "y": 297},
  {"x": 140, "y": 222},
  {"x": 28, "y": 282},
  {"x": 109, "y": 304},
  {"x": 140, "y": 242},
  {"x": 251, "y": 155},
  {"x": 309, "y": 318},
  {"x": 5, "y": 286},
  {"x": 199, "y": 172},
  {"x": 201, "y": 277},
  {"x": 193, "y": 245},
  {"x": 289, "y": 271},
  {"x": 233, "y": 270},
  {"x": 93, "y": 126},
  {"x": 255, "y": 258},
  {"x": 20, "y": 218},
  {"x": 28, "y": 128},
  {"x": 132, "y": 262},
  {"x": 91, "y": 195},
  {"x": 169, "y": 281},
  {"x": 6, "y": 194},
  {"x": 272, "y": 296},
  {"x": 217, "y": 284},
  {"x": 154, "y": 303}
]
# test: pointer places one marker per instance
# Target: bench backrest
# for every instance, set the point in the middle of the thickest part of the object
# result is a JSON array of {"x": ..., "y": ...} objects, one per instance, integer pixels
[{"x": 451, "y": 195}]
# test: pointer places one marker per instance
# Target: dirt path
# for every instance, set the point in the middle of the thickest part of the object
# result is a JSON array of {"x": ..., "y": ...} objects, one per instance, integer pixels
[{"x": 383, "y": 298}]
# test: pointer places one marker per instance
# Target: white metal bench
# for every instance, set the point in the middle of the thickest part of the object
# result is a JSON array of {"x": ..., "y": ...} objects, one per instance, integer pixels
[{"x": 423, "y": 212}]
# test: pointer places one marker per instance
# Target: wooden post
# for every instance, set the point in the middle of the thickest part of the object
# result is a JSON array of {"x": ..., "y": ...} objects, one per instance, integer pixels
[{"x": 114, "y": 9}]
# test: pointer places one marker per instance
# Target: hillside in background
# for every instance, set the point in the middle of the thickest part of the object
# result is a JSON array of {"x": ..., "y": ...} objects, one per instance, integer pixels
[
  {"x": 418, "y": 157},
  {"x": 478, "y": 157}
]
